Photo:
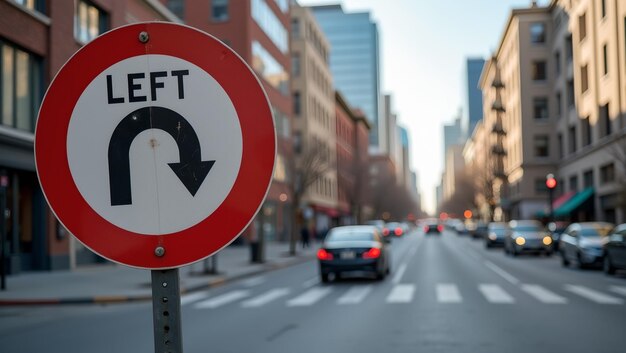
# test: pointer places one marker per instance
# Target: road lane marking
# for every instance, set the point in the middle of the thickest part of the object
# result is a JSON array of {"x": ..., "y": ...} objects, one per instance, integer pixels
[
  {"x": 265, "y": 298},
  {"x": 254, "y": 281},
  {"x": 192, "y": 297},
  {"x": 355, "y": 295},
  {"x": 448, "y": 293},
  {"x": 310, "y": 283},
  {"x": 401, "y": 293},
  {"x": 309, "y": 297},
  {"x": 495, "y": 294},
  {"x": 398, "y": 276},
  {"x": 543, "y": 295},
  {"x": 507, "y": 276},
  {"x": 593, "y": 295},
  {"x": 223, "y": 299},
  {"x": 619, "y": 290}
]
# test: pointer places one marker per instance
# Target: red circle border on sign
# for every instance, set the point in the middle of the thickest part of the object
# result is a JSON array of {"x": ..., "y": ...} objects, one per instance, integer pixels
[{"x": 257, "y": 161}]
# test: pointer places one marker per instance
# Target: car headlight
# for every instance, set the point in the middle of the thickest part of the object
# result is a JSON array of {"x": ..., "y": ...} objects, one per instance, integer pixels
[
  {"x": 520, "y": 241},
  {"x": 493, "y": 236},
  {"x": 547, "y": 240}
]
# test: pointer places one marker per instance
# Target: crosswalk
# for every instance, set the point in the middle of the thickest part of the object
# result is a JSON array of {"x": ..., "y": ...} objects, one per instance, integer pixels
[{"x": 406, "y": 293}]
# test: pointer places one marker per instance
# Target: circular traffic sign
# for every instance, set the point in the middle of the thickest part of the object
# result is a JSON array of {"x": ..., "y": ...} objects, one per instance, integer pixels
[{"x": 155, "y": 145}]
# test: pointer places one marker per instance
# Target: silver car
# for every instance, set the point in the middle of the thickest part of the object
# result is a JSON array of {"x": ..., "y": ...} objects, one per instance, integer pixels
[{"x": 527, "y": 236}]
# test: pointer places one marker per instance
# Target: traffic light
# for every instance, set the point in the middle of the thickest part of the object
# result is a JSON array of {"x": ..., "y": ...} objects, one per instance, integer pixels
[
  {"x": 467, "y": 214},
  {"x": 550, "y": 181}
]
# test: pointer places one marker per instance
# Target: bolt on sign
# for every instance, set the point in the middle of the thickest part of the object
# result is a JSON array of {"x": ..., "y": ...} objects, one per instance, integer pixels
[{"x": 155, "y": 145}]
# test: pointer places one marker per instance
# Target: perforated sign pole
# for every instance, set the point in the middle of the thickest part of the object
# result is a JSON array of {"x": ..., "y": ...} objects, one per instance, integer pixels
[{"x": 168, "y": 337}]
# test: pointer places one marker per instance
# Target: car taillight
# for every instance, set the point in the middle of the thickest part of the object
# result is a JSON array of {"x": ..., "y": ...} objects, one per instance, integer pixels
[
  {"x": 425, "y": 229},
  {"x": 372, "y": 253},
  {"x": 386, "y": 231},
  {"x": 322, "y": 254},
  {"x": 398, "y": 231},
  {"x": 440, "y": 228}
]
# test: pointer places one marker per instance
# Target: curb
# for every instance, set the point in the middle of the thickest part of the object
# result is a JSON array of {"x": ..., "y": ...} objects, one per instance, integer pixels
[{"x": 213, "y": 283}]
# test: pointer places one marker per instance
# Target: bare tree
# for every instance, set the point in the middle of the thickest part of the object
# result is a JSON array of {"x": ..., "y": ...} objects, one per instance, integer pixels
[
  {"x": 463, "y": 197},
  {"x": 312, "y": 163}
]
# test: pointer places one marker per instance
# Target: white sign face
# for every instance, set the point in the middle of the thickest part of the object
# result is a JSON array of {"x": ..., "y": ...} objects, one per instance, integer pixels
[{"x": 154, "y": 151}]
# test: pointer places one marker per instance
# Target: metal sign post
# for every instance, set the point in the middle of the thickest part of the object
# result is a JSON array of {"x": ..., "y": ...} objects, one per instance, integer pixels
[{"x": 168, "y": 336}]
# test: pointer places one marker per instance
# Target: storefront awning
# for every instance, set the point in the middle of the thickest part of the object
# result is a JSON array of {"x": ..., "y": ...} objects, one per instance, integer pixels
[
  {"x": 573, "y": 203},
  {"x": 560, "y": 201}
]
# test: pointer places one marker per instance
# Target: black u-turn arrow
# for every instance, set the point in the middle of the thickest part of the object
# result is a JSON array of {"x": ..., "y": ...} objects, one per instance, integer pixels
[{"x": 191, "y": 170}]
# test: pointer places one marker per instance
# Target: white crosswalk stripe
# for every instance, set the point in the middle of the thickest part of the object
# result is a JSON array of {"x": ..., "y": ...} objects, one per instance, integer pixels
[
  {"x": 401, "y": 293},
  {"x": 543, "y": 295},
  {"x": 448, "y": 293},
  {"x": 193, "y": 297},
  {"x": 619, "y": 290},
  {"x": 223, "y": 299},
  {"x": 355, "y": 295},
  {"x": 593, "y": 295},
  {"x": 495, "y": 294},
  {"x": 265, "y": 298},
  {"x": 309, "y": 297}
]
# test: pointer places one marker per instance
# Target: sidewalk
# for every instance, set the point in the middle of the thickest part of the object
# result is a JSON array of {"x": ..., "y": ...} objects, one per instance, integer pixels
[{"x": 113, "y": 283}]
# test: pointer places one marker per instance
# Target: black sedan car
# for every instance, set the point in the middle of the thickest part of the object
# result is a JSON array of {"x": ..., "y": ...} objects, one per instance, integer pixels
[
  {"x": 359, "y": 249},
  {"x": 433, "y": 227},
  {"x": 582, "y": 243},
  {"x": 614, "y": 250}
]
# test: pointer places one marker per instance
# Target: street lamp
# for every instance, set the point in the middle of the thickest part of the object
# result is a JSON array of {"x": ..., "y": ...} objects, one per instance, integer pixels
[{"x": 551, "y": 184}]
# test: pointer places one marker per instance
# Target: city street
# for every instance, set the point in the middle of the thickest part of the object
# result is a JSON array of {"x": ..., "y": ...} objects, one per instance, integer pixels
[{"x": 444, "y": 294}]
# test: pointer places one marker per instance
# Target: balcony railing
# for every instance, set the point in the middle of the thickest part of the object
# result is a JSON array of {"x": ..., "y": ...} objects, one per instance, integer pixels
[
  {"x": 498, "y": 129},
  {"x": 497, "y": 106},
  {"x": 498, "y": 150},
  {"x": 497, "y": 83}
]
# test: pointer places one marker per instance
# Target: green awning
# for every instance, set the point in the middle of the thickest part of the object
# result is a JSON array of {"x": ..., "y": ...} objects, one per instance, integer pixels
[{"x": 573, "y": 203}]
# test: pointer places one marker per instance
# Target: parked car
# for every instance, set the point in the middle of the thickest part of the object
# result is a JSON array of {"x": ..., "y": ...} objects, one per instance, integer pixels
[
  {"x": 527, "y": 235},
  {"x": 353, "y": 249},
  {"x": 496, "y": 232},
  {"x": 614, "y": 250},
  {"x": 582, "y": 243},
  {"x": 433, "y": 227},
  {"x": 556, "y": 229}
]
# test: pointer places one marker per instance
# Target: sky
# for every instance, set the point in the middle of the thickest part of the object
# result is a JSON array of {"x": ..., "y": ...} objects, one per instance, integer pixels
[{"x": 423, "y": 49}]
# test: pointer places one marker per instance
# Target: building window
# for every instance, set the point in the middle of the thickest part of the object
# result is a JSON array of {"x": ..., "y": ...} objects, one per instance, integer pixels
[
  {"x": 559, "y": 103},
  {"x": 264, "y": 16},
  {"x": 540, "y": 108},
  {"x": 89, "y": 22},
  {"x": 265, "y": 65},
  {"x": 607, "y": 173},
  {"x": 295, "y": 28},
  {"x": 177, "y": 7},
  {"x": 538, "y": 33},
  {"x": 20, "y": 87},
  {"x": 605, "y": 60},
  {"x": 539, "y": 72},
  {"x": 605, "y": 121},
  {"x": 283, "y": 5},
  {"x": 219, "y": 10},
  {"x": 571, "y": 99},
  {"x": 35, "y": 5},
  {"x": 572, "y": 139},
  {"x": 542, "y": 143},
  {"x": 584, "y": 79},
  {"x": 573, "y": 183},
  {"x": 586, "y": 132},
  {"x": 297, "y": 103},
  {"x": 540, "y": 186},
  {"x": 602, "y": 8},
  {"x": 295, "y": 64},
  {"x": 557, "y": 62},
  {"x": 582, "y": 27},
  {"x": 559, "y": 138},
  {"x": 588, "y": 179}
]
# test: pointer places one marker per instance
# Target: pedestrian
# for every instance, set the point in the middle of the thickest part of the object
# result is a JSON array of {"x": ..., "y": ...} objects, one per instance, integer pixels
[{"x": 304, "y": 236}]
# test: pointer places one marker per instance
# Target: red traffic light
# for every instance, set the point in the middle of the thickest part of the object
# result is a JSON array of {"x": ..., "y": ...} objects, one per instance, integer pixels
[{"x": 550, "y": 182}]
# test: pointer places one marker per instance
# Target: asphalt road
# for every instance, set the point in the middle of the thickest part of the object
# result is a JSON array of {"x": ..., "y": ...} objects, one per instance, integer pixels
[{"x": 445, "y": 294}]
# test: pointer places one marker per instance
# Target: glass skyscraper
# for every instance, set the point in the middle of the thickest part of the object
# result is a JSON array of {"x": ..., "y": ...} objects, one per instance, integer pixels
[
  {"x": 354, "y": 59},
  {"x": 474, "y": 94}
]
